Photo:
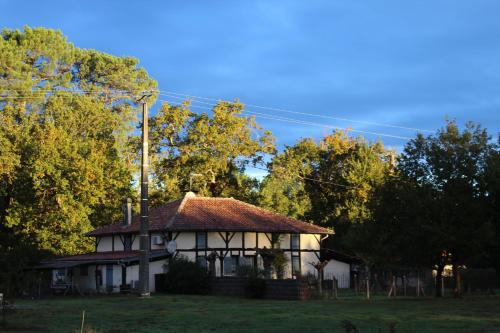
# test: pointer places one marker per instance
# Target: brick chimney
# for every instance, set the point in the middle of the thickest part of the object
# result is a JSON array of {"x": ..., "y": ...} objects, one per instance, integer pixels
[{"x": 127, "y": 212}]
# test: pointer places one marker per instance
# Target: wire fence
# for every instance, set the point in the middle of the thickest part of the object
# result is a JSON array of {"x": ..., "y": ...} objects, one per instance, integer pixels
[{"x": 410, "y": 284}]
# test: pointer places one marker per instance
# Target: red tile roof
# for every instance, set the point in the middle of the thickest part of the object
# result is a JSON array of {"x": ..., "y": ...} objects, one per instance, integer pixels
[
  {"x": 97, "y": 258},
  {"x": 100, "y": 256},
  {"x": 214, "y": 214}
]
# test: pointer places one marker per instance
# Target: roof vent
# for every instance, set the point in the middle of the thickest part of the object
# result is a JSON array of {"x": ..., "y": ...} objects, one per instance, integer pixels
[{"x": 190, "y": 195}]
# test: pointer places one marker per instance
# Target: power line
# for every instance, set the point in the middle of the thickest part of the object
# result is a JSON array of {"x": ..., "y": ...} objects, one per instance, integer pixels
[
  {"x": 37, "y": 95},
  {"x": 163, "y": 92},
  {"x": 304, "y": 122},
  {"x": 312, "y": 179}
]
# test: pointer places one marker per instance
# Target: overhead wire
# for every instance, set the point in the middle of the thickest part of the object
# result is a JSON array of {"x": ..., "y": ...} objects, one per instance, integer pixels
[
  {"x": 165, "y": 92},
  {"x": 312, "y": 179},
  {"x": 39, "y": 93},
  {"x": 302, "y": 122},
  {"x": 207, "y": 108}
]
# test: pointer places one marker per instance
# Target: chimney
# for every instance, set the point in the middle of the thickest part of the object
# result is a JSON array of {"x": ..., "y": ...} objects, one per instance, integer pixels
[{"x": 127, "y": 212}]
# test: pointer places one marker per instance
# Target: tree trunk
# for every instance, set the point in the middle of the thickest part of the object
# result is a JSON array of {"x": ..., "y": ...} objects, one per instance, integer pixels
[
  {"x": 439, "y": 280},
  {"x": 457, "y": 291}
]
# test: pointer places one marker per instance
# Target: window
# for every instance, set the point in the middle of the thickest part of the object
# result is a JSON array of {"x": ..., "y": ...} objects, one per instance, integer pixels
[
  {"x": 247, "y": 261},
  {"x": 127, "y": 242},
  {"x": 201, "y": 240},
  {"x": 295, "y": 241},
  {"x": 295, "y": 265},
  {"x": 84, "y": 270},
  {"x": 202, "y": 262},
  {"x": 230, "y": 265}
]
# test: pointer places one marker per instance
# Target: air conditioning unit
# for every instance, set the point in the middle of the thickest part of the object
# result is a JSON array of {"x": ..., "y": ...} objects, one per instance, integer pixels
[{"x": 158, "y": 240}]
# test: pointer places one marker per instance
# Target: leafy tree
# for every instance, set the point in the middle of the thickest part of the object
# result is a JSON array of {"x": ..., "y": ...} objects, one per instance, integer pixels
[
  {"x": 208, "y": 151},
  {"x": 330, "y": 183},
  {"x": 451, "y": 167},
  {"x": 66, "y": 114},
  {"x": 492, "y": 188},
  {"x": 283, "y": 190}
]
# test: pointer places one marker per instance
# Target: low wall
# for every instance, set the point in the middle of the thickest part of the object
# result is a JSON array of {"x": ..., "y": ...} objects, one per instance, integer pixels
[{"x": 274, "y": 289}]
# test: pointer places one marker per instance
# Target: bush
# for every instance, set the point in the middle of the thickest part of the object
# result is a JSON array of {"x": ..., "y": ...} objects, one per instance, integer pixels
[
  {"x": 185, "y": 277},
  {"x": 245, "y": 271}
]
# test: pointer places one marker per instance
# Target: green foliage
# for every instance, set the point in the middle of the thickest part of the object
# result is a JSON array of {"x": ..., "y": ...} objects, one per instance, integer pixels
[
  {"x": 283, "y": 190},
  {"x": 451, "y": 167},
  {"x": 209, "y": 150},
  {"x": 65, "y": 164},
  {"x": 331, "y": 183},
  {"x": 436, "y": 207},
  {"x": 186, "y": 277}
]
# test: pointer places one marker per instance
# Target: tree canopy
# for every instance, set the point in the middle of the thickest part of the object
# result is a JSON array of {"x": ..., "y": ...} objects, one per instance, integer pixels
[
  {"x": 208, "y": 152},
  {"x": 66, "y": 113}
]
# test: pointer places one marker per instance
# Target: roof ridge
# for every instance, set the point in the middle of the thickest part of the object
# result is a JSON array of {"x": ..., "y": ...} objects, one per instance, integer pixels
[{"x": 178, "y": 212}]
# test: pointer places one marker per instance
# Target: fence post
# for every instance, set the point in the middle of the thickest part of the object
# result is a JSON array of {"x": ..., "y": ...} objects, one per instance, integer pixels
[
  {"x": 356, "y": 283},
  {"x": 418, "y": 284},
  {"x": 404, "y": 285},
  {"x": 335, "y": 287},
  {"x": 367, "y": 287}
]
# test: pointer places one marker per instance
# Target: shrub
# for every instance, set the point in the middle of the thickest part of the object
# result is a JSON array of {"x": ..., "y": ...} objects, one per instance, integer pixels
[
  {"x": 245, "y": 271},
  {"x": 185, "y": 277}
]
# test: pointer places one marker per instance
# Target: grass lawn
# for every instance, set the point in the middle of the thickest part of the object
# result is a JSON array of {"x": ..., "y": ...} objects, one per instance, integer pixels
[{"x": 180, "y": 313}]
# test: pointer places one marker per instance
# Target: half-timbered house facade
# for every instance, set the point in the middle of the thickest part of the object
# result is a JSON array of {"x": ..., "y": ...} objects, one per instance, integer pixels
[{"x": 201, "y": 227}]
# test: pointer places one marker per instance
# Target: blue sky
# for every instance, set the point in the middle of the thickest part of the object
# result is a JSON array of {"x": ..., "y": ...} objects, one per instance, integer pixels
[{"x": 405, "y": 63}]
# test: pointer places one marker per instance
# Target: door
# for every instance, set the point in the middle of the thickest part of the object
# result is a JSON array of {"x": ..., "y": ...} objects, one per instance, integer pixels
[{"x": 109, "y": 276}]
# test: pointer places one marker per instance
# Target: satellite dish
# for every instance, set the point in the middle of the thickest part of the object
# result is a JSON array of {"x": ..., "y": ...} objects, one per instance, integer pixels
[{"x": 172, "y": 246}]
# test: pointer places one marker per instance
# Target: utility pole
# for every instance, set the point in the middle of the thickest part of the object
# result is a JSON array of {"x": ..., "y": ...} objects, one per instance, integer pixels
[{"x": 144, "y": 230}]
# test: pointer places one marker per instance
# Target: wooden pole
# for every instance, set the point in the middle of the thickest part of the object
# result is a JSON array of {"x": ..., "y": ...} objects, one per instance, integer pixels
[{"x": 144, "y": 228}]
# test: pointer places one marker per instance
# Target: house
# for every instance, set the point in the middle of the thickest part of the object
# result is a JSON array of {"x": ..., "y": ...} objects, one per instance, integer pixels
[{"x": 202, "y": 229}]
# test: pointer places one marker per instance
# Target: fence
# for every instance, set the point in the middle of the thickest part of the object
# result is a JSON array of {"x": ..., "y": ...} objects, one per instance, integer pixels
[
  {"x": 343, "y": 280},
  {"x": 287, "y": 289}
]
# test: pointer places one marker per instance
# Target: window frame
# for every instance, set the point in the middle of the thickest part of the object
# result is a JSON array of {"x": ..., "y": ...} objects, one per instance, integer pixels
[
  {"x": 205, "y": 236},
  {"x": 296, "y": 271},
  {"x": 295, "y": 242}
]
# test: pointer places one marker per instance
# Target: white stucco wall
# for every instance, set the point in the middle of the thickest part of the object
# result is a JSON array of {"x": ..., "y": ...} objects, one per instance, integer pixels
[
  {"x": 215, "y": 240},
  {"x": 306, "y": 258},
  {"x": 250, "y": 239},
  {"x": 118, "y": 243},
  {"x": 309, "y": 241},
  {"x": 186, "y": 240},
  {"x": 105, "y": 244},
  {"x": 264, "y": 241}
]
